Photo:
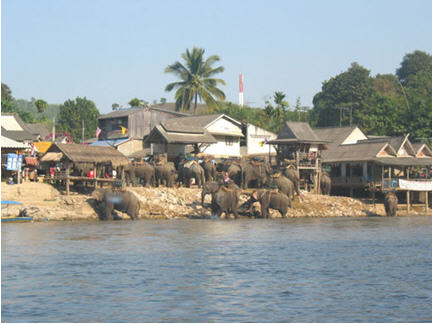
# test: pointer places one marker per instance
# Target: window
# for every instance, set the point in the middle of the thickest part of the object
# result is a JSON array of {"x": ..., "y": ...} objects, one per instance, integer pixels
[{"x": 229, "y": 141}]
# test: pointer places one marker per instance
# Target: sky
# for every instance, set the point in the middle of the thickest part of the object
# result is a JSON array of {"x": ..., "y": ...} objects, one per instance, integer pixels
[{"x": 112, "y": 51}]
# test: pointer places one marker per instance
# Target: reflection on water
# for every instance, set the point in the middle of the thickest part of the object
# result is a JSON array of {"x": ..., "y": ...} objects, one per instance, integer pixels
[{"x": 294, "y": 270}]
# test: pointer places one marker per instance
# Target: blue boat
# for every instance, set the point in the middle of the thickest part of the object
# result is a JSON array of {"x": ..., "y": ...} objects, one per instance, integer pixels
[{"x": 20, "y": 218}]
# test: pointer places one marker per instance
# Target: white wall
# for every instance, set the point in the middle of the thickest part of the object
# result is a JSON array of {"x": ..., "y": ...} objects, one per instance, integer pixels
[
  {"x": 224, "y": 126},
  {"x": 255, "y": 135},
  {"x": 221, "y": 149},
  {"x": 355, "y": 136}
]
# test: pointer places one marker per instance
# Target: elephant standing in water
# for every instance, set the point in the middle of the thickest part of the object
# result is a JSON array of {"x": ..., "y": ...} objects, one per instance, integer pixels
[
  {"x": 325, "y": 184},
  {"x": 390, "y": 204},
  {"x": 225, "y": 200},
  {"x": 124, "y": 201}
]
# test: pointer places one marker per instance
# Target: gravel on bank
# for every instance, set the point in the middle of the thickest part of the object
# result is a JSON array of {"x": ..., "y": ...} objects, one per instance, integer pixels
[{"x": 44, "y": 202}]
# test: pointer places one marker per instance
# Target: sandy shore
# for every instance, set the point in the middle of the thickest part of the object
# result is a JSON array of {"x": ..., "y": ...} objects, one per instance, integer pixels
[{"x": 44, "y": 202}]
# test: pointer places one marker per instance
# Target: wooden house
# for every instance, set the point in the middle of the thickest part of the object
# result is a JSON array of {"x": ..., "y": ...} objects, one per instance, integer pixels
[
  {"x": 98, "y": 158},
  {"x": 298, "y": 145},
  {"x": 133, "y": 124},
  {"x": 217, "y": 134}
]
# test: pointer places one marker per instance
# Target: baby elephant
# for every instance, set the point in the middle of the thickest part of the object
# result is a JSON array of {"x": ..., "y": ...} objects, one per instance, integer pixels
[
  {"x": 124, "y": 201},
  {"x": 271, "y": 199},
  {"x": 390, "y": 203}
]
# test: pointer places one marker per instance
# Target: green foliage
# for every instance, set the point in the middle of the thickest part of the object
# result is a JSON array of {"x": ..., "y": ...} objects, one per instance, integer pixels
[
  {"x": 197, "y": 82},
  {"x": 115, "y": 106},
  {"x": 72, "y": 112},
  {"x": 134, "y": 102},
  {"x": 41, "y": 105},
  {"x": 382, "y": 105}
]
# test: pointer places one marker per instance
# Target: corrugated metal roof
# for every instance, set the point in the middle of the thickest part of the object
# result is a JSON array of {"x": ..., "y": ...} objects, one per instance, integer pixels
[
  {"x": 10, "y": 123},
  {"x": 10, "y": 143},
  {"x": 159, "y": 133},
  {"x": 335, "y": 135}
]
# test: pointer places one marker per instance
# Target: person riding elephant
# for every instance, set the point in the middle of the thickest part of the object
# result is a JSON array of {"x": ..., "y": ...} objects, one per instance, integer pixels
[
  {"x": 325, "y": 184},
  {"x": 191, "y": 170},
  {"x": 271, "y": 199},
  {"x": 211, "y": 187},
  {"x": 146, "y": 173},
  {"x": 225, "y": 200},
  {"x": 285, "y": 186},
  {"x": 124, "y": 201},
  {"x": 209, "y": 170},
  {"x": 165, "y": 173},
  {"x": 390, "y": 203},
  {"x": 259, "y": 171},
  {"x": 291, "y": 173}
]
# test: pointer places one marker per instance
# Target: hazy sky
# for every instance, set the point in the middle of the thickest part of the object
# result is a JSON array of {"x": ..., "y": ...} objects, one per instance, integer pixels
[{"x": 111, "y": 51}]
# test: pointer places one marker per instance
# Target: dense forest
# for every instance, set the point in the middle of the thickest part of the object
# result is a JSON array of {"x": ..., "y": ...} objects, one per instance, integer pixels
[{"x": 385, "y": 104}]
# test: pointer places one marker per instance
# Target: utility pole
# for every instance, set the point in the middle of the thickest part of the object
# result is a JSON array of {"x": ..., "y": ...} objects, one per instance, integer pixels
[
  {"x": 82, "y": 131},
  {"x": 54, "y": 130}
]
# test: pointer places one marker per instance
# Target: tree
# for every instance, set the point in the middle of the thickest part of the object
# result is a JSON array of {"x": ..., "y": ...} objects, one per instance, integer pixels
[
  {"x": 412, "y": 64},
  {"x": 41, "y": 105},
  {"x": 281, "y": 105},
  {"x": 73, "y": 112},
  {"x": 197, "y": 82},
  {"x": 134, "y": 102},
  {"x": 115, "y": 106},
  {"x": 7, "y": 104},
  {"x": 162, "y": 101}
]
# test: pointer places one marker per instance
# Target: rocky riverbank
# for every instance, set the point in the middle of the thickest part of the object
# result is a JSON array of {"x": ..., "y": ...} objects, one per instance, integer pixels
[{"x": 44, "y": 202}]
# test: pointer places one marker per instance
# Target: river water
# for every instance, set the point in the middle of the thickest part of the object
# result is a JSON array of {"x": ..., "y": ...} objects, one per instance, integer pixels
[{"x": 372, "y": 269}]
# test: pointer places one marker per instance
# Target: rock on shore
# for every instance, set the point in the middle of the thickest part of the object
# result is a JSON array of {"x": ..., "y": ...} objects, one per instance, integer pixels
[{"x": 44, "y": 202}]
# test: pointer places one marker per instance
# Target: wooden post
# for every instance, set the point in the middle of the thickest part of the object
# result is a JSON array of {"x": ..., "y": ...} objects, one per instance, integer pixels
[
  {"x": 95, "y": 172},
  {"x": 350, "y": 179},
  {"x": 67, "y": 178},
  {"x": 407, "y": 192}
]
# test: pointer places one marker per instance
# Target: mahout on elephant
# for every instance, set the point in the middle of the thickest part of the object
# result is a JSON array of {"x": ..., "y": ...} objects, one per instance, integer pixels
[
  {"x": 211, "y": 187},
  {"x": 191, "y": 170},
  {"x": 271, "y": 199},
  {"x": 209, "y": 170},
  {"x": 165, "y": 174},
  {"x": 284, "y": 185},
  {"x": 256, "y": 170},
  {"x": 325, "y": 184},
  {"x": 225, "y": 200},
  {"x": 121, "y": 200},
  {"x": 291, "y": 173},
  {"x": 390, "y": 203}
]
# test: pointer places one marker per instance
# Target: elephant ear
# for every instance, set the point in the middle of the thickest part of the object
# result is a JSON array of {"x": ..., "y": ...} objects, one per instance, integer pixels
[{"x": 266, "y": 198}]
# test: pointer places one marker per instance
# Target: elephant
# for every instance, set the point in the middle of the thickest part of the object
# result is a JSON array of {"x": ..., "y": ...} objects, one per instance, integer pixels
[
  {"x": 165, "y": 173},
  {"x": 225, "y": 200},
  {"x": 390, "y": 204},
  {"x": 293, "y": 176},
  {"x": 271, "y": 199},
  {"x": 129, "y": 171},
  {"x": 146, "y": 173},
  {"x": 234, "y": 172},
  {"x": 325, "y": 184},
  {"x": 191, "y": 170},
  {"x": 124, "y": 201},
  {"x": 211, "y": 187},
  {"x": 259, "y": 171},
  {"x": 209, "y": 170},
  {"x": 285, "y": 186}
]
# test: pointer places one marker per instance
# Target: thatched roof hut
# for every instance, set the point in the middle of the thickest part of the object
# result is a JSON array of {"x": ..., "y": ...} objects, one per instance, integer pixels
[{"x": 78, "y": 153}]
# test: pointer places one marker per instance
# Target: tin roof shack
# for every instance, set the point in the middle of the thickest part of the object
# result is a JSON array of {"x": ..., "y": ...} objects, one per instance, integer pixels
[
  {"x": 132, "y": 124},
  {"x": 298, "y": 145},
  {"x": 217, "y": 135},
  {"x": 75, "y": 156},
  {"x": 10, "y": 146}
]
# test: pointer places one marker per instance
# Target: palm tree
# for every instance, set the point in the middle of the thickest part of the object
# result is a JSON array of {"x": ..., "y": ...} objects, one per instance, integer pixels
[
  {"x": 197, "y": 82},
  {"x": 281, "y": 104}
]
